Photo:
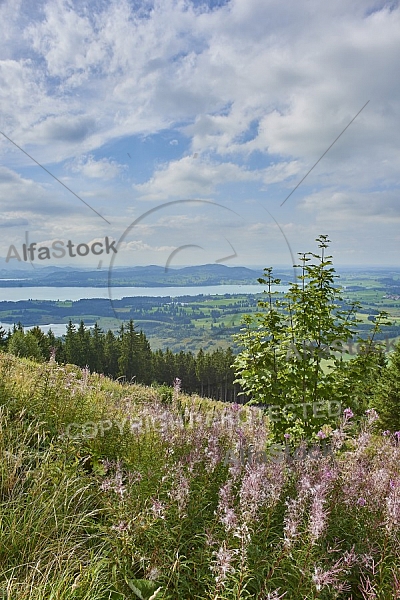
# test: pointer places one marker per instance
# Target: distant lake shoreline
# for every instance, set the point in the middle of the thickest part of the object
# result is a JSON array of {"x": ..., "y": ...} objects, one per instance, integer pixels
[
  {"x": 77, "y": 293},
  {"x": 9, "y": 294}
]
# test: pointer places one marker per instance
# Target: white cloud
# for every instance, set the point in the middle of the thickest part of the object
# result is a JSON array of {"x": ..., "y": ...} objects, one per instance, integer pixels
[
  {"x": 87, "y": 76},
  {"x": 345, "y": 208},
  {"x": 10, "y": 219},
  {"x": 24, "y": 195},
  {"x": 96, "y": 169},
  {"x": 251, "y": 83},
  {"x": 140, "y": 245},
  {"x": 280, "y": 172},
  {"x": 189, "y": 177},
  {"x": 71, "y": 129}
]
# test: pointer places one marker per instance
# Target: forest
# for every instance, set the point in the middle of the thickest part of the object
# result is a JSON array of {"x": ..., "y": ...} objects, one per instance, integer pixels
[{"x": 127, "y": 355}]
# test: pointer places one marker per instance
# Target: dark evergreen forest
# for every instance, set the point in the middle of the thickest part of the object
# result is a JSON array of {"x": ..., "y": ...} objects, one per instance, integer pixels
[{"x": 128, "y": 356}]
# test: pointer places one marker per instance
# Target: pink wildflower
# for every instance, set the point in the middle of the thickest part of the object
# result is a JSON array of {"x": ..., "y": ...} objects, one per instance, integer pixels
[
  {"x": 348, "y": 413},
  {"x": 114, "y": 483},
  {"x": 119, "y": 487},
  {"x": 223, "y": 563},
  {"x": 213, "y": 451},
  {"x": 393, "y": 510},
  {"x": 372, "y": 415},
  {"x": 177, "y": 386},
  {"x": 322, "y": 578},
  {"x": 158, "y": 509},
  {"x": 318, "y": 516},
  {"x": 261, "y": 486},
  {"x": 295, "y": 511},
  {"x": 122, "y": 526},
  {"x": 180, "y": 493},
  {"x": 225, "y": 509}
]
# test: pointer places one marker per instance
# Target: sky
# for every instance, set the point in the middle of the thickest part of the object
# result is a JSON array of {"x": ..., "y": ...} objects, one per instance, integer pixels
[{"x": 180, "y": 127}]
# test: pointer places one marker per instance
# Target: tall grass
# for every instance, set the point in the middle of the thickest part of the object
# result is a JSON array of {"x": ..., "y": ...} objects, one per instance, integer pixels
[{"x": 112, "y": 491}]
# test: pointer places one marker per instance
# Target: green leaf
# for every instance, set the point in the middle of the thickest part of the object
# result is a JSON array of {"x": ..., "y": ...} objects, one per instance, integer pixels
[{"x": 144, "y": 589}]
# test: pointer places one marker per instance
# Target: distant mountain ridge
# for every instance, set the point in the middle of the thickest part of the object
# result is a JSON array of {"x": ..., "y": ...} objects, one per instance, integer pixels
[{"x": 138, "y": 276}]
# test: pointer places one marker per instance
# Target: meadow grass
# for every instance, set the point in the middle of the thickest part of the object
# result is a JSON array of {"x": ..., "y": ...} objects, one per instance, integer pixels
[{"x": 115, "y": 491}]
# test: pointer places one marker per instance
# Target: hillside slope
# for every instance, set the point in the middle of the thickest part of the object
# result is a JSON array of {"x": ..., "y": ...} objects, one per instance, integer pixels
[{"x": 113, "y": 491}]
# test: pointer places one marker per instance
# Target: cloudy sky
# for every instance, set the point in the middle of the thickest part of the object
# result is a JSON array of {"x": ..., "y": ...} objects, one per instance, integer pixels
[{"x": 183, "y": 125}]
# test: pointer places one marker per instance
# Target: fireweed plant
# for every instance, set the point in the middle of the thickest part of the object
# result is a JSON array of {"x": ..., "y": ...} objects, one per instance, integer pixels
[
  {"x": 292, "y": 350},
  {"x": 154, "y": 511}
]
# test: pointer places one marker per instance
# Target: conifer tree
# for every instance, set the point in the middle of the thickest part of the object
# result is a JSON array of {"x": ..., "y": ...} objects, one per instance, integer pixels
[
  {"x": 170, "y": 366},
  {"x": 96, "y": 349},
  {"x": 42, "y": 340},
  {"x": 128, "y": 359},
  {"x": 144, "y": 363},
  {"x": 385, "y": 398},
  {"x": 24, "y": 345},
  {"x": 111, "y": 355},
  {"x": 82, "y": 345},
  {"x": 70, "y": 349},
  {"x": 200, "y": 369}
]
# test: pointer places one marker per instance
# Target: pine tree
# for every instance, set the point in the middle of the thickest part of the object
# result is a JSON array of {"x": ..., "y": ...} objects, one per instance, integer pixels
[
  {"x": 229, "y": 375},
  {"x": 158, "y": 367},
  {"x": 56, "y": 344},
  {"x": 144, "y": 363},
  {"x": 42, "y": 341},
  {"x": 128, "y": 359},
  {"x": 170, "y": 366},
  {"x": 200, "y": 369},
  {"x": 24, "y": 345},
  {"x": 386, "y": 394},
  {"x": 82, "y": 340},
  {"x": 96, "y": 349},
  {"x": 111, "y": 354},
  {"x": 70, "y": 349}
]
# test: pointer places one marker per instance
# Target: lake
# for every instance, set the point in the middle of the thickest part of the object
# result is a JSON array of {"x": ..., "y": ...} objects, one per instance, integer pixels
[
  {"x": 57, "y": 328},
  {"x": 117, "y": 293}
]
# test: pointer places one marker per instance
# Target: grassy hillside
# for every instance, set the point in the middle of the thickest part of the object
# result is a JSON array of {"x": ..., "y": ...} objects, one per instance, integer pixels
[{"x": 112, "y": 491}]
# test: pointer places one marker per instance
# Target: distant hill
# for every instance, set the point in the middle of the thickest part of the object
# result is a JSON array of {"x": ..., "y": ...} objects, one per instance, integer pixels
[{"x": 148, "y": 276}]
